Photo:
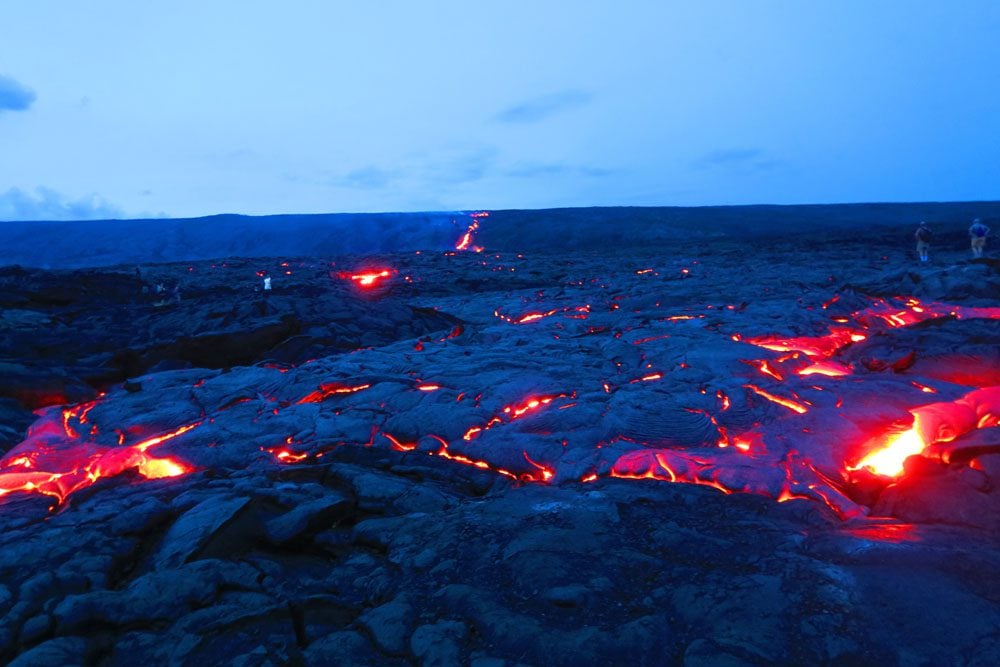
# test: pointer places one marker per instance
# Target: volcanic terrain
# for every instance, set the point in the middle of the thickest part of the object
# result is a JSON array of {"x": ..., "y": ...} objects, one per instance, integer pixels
[{"x": 721, "y": 450}]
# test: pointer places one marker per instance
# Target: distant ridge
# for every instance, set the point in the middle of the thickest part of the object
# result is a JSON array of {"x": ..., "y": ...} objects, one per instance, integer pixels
[{"x": 60, "y": 244}]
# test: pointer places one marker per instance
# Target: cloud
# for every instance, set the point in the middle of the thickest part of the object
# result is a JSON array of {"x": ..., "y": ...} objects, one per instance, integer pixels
[
  {"x": 543, "y": 107},
  {"x": 47, "y": 204},
  {"x": 465, "y": 167},
  {"x": 14, "y": 96},
  {"x": 536, "y": 170},
  {"x": 367, "y": 178},
  {"x": 753, "y": 158}
]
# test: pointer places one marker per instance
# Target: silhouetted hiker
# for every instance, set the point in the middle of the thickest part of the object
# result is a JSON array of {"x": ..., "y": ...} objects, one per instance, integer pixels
[
  {"x": 923, "y": 236},
  {"x": 978, "y": 233}
]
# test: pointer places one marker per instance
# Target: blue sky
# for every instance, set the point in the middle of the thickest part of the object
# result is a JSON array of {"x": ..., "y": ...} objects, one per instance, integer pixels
[{"x": 114, "y": 107}]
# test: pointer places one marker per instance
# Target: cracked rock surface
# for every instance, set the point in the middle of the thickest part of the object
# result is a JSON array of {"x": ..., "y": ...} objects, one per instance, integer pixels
[{"x": 502, "y": 459}]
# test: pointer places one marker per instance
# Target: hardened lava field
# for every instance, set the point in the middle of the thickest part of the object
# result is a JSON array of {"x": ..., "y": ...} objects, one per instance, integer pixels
[{"x": 461, "y": 455}]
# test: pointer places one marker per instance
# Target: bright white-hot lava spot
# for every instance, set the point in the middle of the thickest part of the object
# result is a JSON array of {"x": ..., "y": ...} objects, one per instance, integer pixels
[{"x": 569, "y": 377}]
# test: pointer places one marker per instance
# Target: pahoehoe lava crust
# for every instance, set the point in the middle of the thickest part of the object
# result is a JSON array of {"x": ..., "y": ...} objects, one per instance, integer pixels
[{"x": 658, "y": 454}]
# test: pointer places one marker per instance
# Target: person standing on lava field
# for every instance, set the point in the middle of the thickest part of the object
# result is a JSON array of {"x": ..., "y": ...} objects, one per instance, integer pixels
[
  {"x": 267, "y": 285},
  {"x": 923, "y": 236},
  {"x": 978, "y": 233}
]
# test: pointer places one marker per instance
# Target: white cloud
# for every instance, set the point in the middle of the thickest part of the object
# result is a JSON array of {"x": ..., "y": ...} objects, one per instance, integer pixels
[{"x": 47, "y": 204}]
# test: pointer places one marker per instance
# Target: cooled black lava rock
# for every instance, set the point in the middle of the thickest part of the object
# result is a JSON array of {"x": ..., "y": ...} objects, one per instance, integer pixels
[{"x": 345, "y": 509}]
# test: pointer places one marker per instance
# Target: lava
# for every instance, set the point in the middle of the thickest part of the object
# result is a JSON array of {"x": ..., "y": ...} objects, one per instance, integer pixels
[
  {"x": 398, "y": 445},
  {"x": 826, "y": 367},
  {"x": 904, "y": 312},
  {"x": 466, "y": 242},
  {"x": 531, "y": 317},
  {"x": 578, "y": 312},
  {"x": 60, "y": 465},
  {"x": 546, "y": 472},
  {"x": 287, "y": 455},
  {"x": 766, "y": 369},
  {"x": 327, "y": 390},
  {"x": 812, "y": 346},
  {"x": 463, "y": 243},
  {"x": 934, "y": 424},
  {"x": 888, "y": 461},
  {"x": 512, "y": 412},
  {"x": 367, "y": 278},
  {"x": 786, "y": 402}
]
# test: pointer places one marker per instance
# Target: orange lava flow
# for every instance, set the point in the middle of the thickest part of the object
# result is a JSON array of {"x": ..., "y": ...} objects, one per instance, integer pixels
[
  {"x": 908, "y": 311},
  {"x": 397, "y": 444},
  {"x": 286, "y": 455},
  {"x": 512, "y": 412},
  {"x": 811, "y": 346},
  {"x": 786, "y": 402},
  {"x": 888, "y": 461},
  {"x": 329, "y": 389},
  {"x": 912, "y": 311},
  {"x": 766, "y": 369},
  {"x": 531, "y": 317},
  {"x": 582, "y": 312},
  {"x": 933, "y": 424},
  {"x": 369, "y": 278},
  {"x": 826, "y": 367},
  {"x": 545, "y": 471},
  {"x": 465, "y": 243},
  {"x": 57, "y": 466}
]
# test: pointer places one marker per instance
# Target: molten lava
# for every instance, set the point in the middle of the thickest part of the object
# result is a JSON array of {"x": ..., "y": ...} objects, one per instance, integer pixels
[
  {"x": 888, "y": 461},
  {"x": 368, "y": 278},
  {"x": 327, "y": 390},
  {"x": 577, "y": 312},
  {"x": 512, "y": 412},
  {"x": 786, "y": 402},
  {"x": 61, "y": 464},
  {"x": 826, "y": 367},
  {"x": 934, "y": 424},
  {"x": 466, "y": 242}
]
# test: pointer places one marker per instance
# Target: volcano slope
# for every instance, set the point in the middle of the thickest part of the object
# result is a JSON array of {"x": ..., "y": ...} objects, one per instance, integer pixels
[{"x": 785, "y": 452}]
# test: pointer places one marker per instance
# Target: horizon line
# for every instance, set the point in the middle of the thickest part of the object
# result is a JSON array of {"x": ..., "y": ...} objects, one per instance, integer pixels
[{"x": 466, "y": 211}]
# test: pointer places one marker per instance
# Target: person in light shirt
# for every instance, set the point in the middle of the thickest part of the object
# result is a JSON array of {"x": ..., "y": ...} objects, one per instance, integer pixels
[{"x": 978, "y": 233}]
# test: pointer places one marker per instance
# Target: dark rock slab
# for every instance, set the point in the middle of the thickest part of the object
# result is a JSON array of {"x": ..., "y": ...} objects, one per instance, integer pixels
[
  {"x": 309, "y": 517},
  {"x": 390, "y": 625},
  {"x": 58, "y": 651},
  {"x": 439, "y": 644},
  {"x": 195, "y": 528}
]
